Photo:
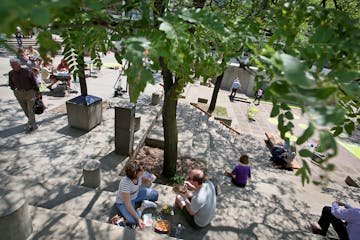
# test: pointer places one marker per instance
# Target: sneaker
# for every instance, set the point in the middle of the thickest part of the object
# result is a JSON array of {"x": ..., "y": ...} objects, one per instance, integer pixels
[
  {"x": 147, "y": 204},
  {"x": 49, "y": 87},
  {"x": 31, "y": 128}
]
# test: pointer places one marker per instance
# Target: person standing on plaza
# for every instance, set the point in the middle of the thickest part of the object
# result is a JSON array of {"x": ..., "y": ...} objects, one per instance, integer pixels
[
  {"x": 344, "y": 218},
  {"x": 198, "y": 203},
  {"x": 22, "y": 82},
  {"x": 235, "y": 86}
]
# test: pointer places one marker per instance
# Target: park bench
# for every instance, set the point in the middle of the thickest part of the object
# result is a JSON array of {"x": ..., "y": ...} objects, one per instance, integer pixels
[{"x": 274, "y": 139}]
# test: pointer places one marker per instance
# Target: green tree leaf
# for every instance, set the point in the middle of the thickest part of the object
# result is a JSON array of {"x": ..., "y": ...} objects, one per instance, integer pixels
[
  {"x": 294, "y": 70},
  {"x": 309, "y": 131},
  {"x": 275, "y": 111}
]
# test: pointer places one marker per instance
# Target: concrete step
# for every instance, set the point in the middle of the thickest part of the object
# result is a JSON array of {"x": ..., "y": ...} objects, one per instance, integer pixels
[
  {"x": 26, "y": 43},
  {"x": 50, "y": 224},
  {"x": 90, "y": 203}
]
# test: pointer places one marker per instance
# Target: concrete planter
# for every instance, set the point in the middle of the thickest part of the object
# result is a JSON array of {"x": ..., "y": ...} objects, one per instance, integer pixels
[{"x": 84, "y": 112}]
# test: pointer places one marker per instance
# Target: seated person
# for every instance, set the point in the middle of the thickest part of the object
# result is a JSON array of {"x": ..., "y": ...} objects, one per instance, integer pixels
[
  {"x": 198, "y": 204},
  {"x": 24, "y": 58},
  {"x": 39, "y": 82},
  {"x": 344, "y": 218},
  {"x": 34, "y": 56},
  {"x": 282, "y": 156},
  {"x": 130, "y": 193},
  {"x": 241, "y": 172},
  {"x": 62, "y": 67},
  {"x": 46, "y": 71},
  {"x": 33, "y": 52}
]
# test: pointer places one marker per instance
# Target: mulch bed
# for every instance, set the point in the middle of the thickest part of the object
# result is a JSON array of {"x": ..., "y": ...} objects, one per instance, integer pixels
[{"x": 153, "y": 159}]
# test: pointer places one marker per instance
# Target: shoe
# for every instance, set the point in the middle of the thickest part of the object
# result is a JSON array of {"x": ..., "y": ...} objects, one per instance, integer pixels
[
  {"x": 29, "y": 129},
  {"x": 148, "y": 204},
  {"x": 49, "y": 87},
  {"x": 316, "y": 229}
]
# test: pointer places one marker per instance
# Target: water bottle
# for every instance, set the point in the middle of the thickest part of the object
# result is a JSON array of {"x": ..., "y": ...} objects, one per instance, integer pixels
[{"x": 178, "y": 231}]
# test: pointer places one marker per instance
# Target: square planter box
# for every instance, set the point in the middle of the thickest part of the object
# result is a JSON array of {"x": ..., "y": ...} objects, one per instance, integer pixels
[{"x": 84, "y": 112}]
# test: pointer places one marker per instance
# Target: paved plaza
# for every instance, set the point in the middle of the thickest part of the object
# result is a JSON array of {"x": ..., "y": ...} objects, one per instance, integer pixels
[{"x": 46, "y": 166}]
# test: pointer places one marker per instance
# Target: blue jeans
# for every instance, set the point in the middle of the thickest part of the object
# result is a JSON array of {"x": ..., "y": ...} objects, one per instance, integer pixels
[{"x": 144, "y": 194}]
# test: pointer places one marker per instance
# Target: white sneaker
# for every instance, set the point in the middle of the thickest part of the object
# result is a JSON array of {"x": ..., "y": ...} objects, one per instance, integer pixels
[{"x": 148, "y": 204}]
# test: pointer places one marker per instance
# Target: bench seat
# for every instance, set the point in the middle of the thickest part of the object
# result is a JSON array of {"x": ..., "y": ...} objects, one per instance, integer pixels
[{"x": 274, "y": 139}]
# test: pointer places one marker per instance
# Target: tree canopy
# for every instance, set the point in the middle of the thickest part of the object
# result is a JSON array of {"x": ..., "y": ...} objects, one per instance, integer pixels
[{"x": 307, "y": 51}]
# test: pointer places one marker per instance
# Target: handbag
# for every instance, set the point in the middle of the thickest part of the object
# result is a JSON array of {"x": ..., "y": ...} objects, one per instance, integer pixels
[{"x": 38, "y": 106}]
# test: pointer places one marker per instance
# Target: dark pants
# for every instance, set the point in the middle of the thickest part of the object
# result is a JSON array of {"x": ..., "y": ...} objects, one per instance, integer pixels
[
  {"x": 339, "y": 226},
  {"x": 238, "y": 184},
  {"x": 257, "y": 98},
  {"x": 19, "y": 40},
  {"x": 189, "y": 218},
  {"x": 233, "y": 92}
]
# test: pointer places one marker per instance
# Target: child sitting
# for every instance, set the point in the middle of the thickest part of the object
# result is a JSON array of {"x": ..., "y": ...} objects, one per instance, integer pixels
[{"x": 241, "y": 172}]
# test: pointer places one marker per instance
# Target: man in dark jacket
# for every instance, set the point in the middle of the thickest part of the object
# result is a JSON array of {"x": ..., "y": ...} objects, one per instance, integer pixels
[{"x": 22, "y": 82}]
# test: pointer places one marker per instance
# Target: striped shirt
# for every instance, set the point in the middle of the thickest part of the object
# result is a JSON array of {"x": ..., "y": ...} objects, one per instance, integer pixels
[{"x": 126, "y": 185}]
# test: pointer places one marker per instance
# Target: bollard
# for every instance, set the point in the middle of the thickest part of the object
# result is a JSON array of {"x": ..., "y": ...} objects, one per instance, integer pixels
[
  {"x": 15, "y": 220},
  {"x": 124, "y": 129},
  {"x": 137, "y": 123},
  {"x": 155, "y": 99},
  {"x": 91, "y": 173}
]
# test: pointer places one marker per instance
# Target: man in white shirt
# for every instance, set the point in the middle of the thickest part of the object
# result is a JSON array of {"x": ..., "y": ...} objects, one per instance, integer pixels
[
  {"x": 198, "y": 205},
  {"x": 235, "y": 86}
]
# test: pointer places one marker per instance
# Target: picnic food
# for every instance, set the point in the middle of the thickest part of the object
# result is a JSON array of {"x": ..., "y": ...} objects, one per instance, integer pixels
[
  {"x": 166, "y": 209},
  {"x": 179, "y": 189},
  {"x": 162, "y": 226}
]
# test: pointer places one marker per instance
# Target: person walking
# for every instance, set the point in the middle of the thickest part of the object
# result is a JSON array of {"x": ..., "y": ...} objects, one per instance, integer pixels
[
  {"x": 344, "y": 218},
  {"x": 235, "y": 86},
  {"x": 23, "y": 83},
  {"x": 198, "y": 203},
  {"x": 18, "y": 36},
  {"x": 258, "y": 95}
]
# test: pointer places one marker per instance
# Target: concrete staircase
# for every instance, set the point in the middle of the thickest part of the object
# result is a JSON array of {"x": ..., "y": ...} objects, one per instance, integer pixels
[
  {"x": 12, "y": 45},
  {"x": 26, "y": 43}
]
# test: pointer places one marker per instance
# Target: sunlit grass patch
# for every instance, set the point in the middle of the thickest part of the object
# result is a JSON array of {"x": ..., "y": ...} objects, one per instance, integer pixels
[{"x": 351, "y": 147}]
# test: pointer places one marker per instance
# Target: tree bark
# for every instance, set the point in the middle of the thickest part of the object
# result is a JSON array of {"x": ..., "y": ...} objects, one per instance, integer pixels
[
  {"x": 216, "y": 89},
  {"x": 82, "y": 79},
  {"x": 199, "y": 3},
  {"x": 169, "y": 122},
  {"x": 215, "y": 93}
]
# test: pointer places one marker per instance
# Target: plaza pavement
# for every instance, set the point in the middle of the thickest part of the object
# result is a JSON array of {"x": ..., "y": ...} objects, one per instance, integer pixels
[{"x": 47, "y": 166}]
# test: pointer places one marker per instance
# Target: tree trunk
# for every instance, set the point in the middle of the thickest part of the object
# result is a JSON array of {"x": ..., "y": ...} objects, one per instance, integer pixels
[
  {"x": 82, "y": 80},
  {"x": 215, "y": 93},
  {"x": 169, "y": 122},
  {"x": 216, "y": 88},
  {"x": 199, "y": 3}
]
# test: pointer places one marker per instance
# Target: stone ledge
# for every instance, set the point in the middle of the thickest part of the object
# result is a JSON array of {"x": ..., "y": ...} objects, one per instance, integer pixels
[
  {"x": 353, "y": 181},
  {"x": 227, "y": 121},
  {"x": 202, "y": 100}
]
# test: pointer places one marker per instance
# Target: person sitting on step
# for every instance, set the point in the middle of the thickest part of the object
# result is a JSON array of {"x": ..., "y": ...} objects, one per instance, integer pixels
[
  {"x": 130, "y": 193},
  {"x": 344, "y": 218}
]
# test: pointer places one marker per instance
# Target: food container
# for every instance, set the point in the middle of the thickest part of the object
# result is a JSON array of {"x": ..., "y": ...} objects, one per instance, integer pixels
[{"x": 162, "y": 226}]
